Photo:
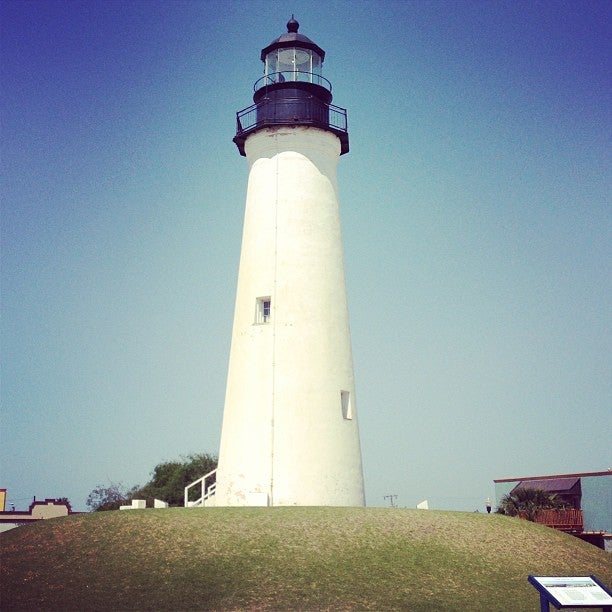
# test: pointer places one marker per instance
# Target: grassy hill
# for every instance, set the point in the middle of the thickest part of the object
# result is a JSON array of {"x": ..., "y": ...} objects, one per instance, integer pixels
[{"x": 286, "y": 558}]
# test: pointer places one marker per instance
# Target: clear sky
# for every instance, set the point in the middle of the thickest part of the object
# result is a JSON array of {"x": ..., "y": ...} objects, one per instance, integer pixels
[{"x": 476, "y": 217}]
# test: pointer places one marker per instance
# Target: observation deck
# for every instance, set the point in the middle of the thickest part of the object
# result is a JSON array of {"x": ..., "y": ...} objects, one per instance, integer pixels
[
  {"x": 292, "y": 98},
  {"x": 292, "y": 91},
  {"x": 291, "y": 110}
]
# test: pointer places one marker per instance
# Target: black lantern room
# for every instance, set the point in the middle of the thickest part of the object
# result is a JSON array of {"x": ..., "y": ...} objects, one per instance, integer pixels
[{"x": 292, "y": 90}]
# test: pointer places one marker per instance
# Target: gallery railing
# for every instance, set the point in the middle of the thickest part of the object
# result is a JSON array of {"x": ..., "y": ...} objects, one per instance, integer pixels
[{"x": 309, "y": 111}]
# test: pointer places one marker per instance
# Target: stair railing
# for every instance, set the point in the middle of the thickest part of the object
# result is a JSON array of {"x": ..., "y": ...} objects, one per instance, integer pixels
[{"x": 206, "y": 492}]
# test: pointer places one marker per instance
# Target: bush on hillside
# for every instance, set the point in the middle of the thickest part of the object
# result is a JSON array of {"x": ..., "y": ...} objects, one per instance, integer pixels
[
  {"x": 109, "y": 497},
  {"x": 169, "y": 479},
  {"x": 167, "y": 483},
  {"x": 527, "y": 502}
]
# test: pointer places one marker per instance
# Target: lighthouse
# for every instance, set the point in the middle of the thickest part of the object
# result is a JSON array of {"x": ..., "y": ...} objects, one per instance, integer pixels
[{"x": 290, "y": 434}]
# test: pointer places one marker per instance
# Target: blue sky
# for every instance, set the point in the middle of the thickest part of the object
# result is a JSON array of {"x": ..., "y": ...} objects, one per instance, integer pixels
[{"x": 476, "y": 217}]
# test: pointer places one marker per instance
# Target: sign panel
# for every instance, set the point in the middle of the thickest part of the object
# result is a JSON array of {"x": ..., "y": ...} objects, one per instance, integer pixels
[{"x": 573, "y": 590}]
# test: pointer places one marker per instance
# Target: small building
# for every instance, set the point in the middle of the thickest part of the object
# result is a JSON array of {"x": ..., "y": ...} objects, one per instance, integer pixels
[
  {"x": 588, "y": 496},
  {"x": 39, "y": 510}
]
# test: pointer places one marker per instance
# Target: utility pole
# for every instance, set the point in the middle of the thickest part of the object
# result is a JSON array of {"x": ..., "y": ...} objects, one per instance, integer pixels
[{"x": 391, "y": 499}]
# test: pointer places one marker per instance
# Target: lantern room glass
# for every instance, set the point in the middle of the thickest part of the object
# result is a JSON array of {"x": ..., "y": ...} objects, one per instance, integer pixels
[{"x": 293, "y": 64}]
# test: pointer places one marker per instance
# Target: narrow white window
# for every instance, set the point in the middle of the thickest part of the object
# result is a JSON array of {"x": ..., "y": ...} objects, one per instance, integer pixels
[
  {"x": 263, "y": 310},
  {"x": 347, "y": 409}
]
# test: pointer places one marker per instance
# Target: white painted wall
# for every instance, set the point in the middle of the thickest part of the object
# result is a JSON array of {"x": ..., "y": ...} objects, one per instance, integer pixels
[{"x": 284, "y": 439}]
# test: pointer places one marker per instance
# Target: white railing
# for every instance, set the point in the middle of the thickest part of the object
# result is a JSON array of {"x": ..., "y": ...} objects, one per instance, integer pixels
[{"x": 206, "y": 492}]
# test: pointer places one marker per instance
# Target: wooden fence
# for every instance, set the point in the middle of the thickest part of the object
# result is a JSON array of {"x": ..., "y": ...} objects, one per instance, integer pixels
[{"x": 565, "y": 520}]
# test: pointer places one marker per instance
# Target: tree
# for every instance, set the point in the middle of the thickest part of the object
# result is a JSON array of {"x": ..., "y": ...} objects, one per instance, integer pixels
[
  {"x": 167, "y": 483},
  {"x": 169, "y": 479},
  {"x": 109, "y": 497},
  {"x": 526, "y": 503},
  {"x": 64, "y": 500}
]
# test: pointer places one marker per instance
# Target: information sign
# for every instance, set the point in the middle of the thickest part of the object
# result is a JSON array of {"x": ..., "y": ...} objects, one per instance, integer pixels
[{"x": 572, "y": 591}]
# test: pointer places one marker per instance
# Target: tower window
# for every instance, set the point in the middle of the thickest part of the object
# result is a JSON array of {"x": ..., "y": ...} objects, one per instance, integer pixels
[
  {"x": 347, "y": 408},
  {"x": 263, "y": 310}
]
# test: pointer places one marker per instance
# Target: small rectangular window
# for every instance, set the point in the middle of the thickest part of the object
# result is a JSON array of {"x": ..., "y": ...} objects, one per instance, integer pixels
[
  {"x": 347, "y": 409},
  {"x": 263, "y": 310}
]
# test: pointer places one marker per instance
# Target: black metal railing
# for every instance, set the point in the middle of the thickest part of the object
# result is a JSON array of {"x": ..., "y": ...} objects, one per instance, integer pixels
[
  {"x": 289, "y": 111},
  {"x": 288, "y": 76},
  {"x": 308, "y": 111}
]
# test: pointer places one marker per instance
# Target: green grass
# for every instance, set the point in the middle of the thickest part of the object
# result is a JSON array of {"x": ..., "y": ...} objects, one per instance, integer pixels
[{"x": 286, "y": 559}]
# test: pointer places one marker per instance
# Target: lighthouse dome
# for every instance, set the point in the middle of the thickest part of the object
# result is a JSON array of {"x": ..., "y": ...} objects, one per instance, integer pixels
[{"x": 292, "y": 38}]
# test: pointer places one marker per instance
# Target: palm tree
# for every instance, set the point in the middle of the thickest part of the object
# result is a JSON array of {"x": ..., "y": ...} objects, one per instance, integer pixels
[{"x": 526, "y": 503}]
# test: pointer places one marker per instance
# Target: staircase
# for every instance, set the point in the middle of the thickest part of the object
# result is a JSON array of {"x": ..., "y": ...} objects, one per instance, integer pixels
[{"x": 207, "y": 491}]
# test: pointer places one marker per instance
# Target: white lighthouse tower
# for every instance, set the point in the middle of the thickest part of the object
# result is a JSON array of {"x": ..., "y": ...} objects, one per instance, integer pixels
[{"x": 290, "y": 434}]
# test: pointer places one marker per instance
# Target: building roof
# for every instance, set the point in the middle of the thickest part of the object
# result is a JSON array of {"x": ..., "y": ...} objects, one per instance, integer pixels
[
  {"x": 292, "y": 39},
  {"x": 550, "y": 485},
  {"x": 578, "y": 475},
  {"x": 49, "y": 508}
]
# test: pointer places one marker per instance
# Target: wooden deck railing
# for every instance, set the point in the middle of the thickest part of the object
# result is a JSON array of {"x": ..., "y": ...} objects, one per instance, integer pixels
[{"x": 565, "y": 520}]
